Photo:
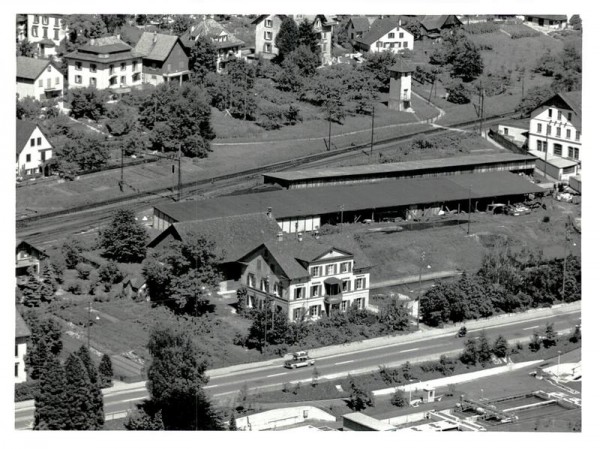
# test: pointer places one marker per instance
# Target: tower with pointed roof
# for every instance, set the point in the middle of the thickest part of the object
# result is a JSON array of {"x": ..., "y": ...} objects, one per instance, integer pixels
[{"x": 400, "y": 85}]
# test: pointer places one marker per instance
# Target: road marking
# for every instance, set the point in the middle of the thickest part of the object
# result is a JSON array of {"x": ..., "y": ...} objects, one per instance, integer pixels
[
  {"x": 528, "y": 328},
  {"x": 411, "y": 350},
  {"x": 343, "y": 363},
  {"x": 278, "y": 374}
]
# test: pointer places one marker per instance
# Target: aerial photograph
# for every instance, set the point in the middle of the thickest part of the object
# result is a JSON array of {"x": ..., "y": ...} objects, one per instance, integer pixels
[{"x": 314, "y": 222}]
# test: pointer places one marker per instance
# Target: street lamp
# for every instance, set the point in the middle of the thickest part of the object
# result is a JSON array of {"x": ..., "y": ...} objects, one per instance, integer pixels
[{"x": 420, "y": 287}]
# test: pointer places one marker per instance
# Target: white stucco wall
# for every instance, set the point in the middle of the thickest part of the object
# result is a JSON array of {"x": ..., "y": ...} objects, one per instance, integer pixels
[
  {"x": 394, "y": 43},
  {"x": 282, "y": 417},
  {"x": 541, "y": 122},
  {"x": 34, "y": 152}
]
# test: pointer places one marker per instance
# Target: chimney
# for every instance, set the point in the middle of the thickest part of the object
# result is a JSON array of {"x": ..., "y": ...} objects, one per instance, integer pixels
[
  {"x": 280, "y": 236},
  {"x": 269, "y": 212},
  {"x": 299, "y": 236},
  {"x": 155, "y": 37}
]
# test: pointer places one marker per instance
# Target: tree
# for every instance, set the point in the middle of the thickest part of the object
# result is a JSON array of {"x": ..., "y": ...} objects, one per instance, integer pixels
[
  {"x": 122, "y": 119},
  {"x": 182, "y": 275},
  {"x": 87, "y": 102},
  {"x": 288, "y": 78},
  {"x": 378, "y": 65},
  {"x": 398, "y": 399},
  {"x": 458, "y": 92},
  {"x": 575, "y": 22},
  {"x": 31, "y": 289},
  {"x": 51, "y": 404},
  {"x": 203, "y": 58},
  {"x": 124, "y": 240},
  {"x": 394, "y": 317},
  {"x": 181, "y": 23},
  {"x": 500, "y": 348},
  {"x": 96, "y": 393},
  {"x": 469, "y": 355},
  {"x": 535, "y": 343},
  {"x": 25, "y": 48},
  {"x": 71, "y": 250},
  {"x": 114, "y": 21},
  {"x": 308, "y": 37},
  {"x": 82, "y": 151},
  {"x": 141, "y": 419},
  {"x": 29, "y": 108},
  {"x": 315, "y": 377},
  {"x": 466, "y": 61},
  {"x": 109, "y": 273},
  {"x": 484, "y": 352},
  {"x": 232, "y": 424},
  {"x": 305, "y": 59},
  {"x": 279, "y": 331},
  {"x": 287, "y": 38},
  {"x": 359, "y": 398},
  {"x": 550, "y": 336},
  {"x": 176, "y": 378},
  {"x": 105, "y": 371},
  {"x": 45, "y": 342},
  {"x": 82, "y": 28},
  {"x": 79, "y": 395},
  {"x": 48, "y": 283},
  {"x": 413, "y": 26},
  {"x": 533, "y": 98}
]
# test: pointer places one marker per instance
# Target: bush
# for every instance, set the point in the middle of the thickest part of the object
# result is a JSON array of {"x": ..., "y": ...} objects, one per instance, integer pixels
[
  {"x": 271, "y": 116},
  {"x": 26, "y": 391},
  {"x": 398, "y": 399},
  {"x": 110, "y": 273},
  {"x": 458, "y": 92},
  {"x": 83, "y": 270},
  {"x": 75, "y": 287}
]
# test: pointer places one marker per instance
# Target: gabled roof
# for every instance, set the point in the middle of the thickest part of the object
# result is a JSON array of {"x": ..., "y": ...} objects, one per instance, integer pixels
[
  {"x": 211, "y": 29},
  {"x": 402, "y": 66},
  {"x": 109, "y": 44},
  {"x": 104, "y": 50},
  {"x": 30, "y": 68},
  {"x": 156, "y": 46},
  {"x": 262, "y": 17},
  {"x": 360, "y": 23},
  {"x": 23, "y": 244},
  {"x": 567, "y": 100},
  {"x": 21, "y": 328},
  {"x": 379, "y": 28},
  {"x": 436, "y": 23},
  {"x": 559, "y": 17},
  {"x": 293, "y": 256},
  {"x": 24, "y": 131},
  {"x": 235, "y": 235}
]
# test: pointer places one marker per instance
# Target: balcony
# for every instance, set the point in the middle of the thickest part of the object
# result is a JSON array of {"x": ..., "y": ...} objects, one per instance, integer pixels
[
  {"x": 333, "y": 290},
  {"x": 333, "y": 299}
]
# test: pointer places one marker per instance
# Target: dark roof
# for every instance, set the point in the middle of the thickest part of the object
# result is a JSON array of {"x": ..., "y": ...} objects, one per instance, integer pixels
[
  {"x": 30, "y": 68},
  {"x": 436, "y": 23},
  {"x": 211, "y": 29},
  {"x": 559, "y": 17},
  {"x": 293, "y": 255},
  {"x": 110, "y": 44},
  {"x": 379, "y": 28},
  {"x": 262, "y": 17},
  {"x": 24, "y": 131},
  {"x": 451, "y": 163},
  {"x": 22, "y": 243},
  {"x": 567, "y": 100},
  {"x": 21, "y": 328},
  {"x": 235, "y": 235},
  {"x": 104, "y": 50},
  {"x": 156, "y": 46},
  {"x": 356, "y": 197},
  {"x": 360, "y": 23},
  {"x": 402, "y": 66}
]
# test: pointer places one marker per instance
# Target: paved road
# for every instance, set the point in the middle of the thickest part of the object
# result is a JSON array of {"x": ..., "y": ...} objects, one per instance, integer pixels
[{"x": 222, "y": 388}]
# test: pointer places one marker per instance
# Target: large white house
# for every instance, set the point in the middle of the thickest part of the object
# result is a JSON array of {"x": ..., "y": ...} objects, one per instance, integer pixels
[
  {"x": 38, "y": 78},
  {"x": 33, "y": 149},
  {"x": 306, "y": 277},
  {"x": 107, "y": 62},
  {"x": 555, "y": 134},
  {"x": 46, "y": 31},
  {"x": 386, "y": 35}
]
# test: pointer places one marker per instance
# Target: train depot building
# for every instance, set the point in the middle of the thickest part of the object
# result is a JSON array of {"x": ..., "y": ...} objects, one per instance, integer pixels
[{"x": 301, "y": 210}]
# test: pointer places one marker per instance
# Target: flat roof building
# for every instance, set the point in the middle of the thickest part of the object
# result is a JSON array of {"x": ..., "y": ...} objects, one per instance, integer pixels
[{"x": 517, "y": 163}]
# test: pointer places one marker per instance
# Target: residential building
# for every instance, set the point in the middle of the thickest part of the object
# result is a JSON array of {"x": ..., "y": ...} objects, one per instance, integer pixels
[
  {"x": 106, "y": 63},
  {"x": 386, "y": 34},
  {"x": 22, "y": 334},
  {"x": 27, "y": 256},
  {"x": 164, "y": 58},
  {"x": 322, "y": 25},
  {"x": 433, "y": 25},
  {"x": 357, "y": 26},
  {"x": 305, "y": 276},
  {"x": 21, "y": 23},
  {"x": 515, "y": 130},
  {"x": 267, "y": 27},
  {"x": 47, "y": 31},
  {"x": 228, "y": 46},
  {"x": 555, "y": 131},
  {"x": 33, "y": 150},
  {"x": 400, "y": 85},
  {"x": 549, "y": 22},
  {"x": 38, "y": 78}
]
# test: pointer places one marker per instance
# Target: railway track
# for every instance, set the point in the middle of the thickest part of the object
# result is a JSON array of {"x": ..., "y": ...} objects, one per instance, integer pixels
[{"x": 45, "y": 228}]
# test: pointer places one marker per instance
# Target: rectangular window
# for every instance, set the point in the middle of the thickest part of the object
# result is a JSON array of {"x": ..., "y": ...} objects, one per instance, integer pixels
[
  {"x": 28, "y": 158},
  {"x": 557, "y": 149},
  {"x": 568, "y": 133},
  {"x": 575, "y": 153},
  {"x": 123, "y": 67},
  {"x": 405, "y": 44},
  {"x": 577, "y": 135},
  {"x": 16, "y": 350},
  {"x": 92, "y": 81},
  {"x": 36, "y": 19},
  {"x": 299, "y": 293},
  {"x": 346, "y": 286},
  {"x": 315, "y": 311},
  {"x": 401, "y": 35},
  {"x": 539, "y": 127},
  {"x": 539, "y": 145},
  {"x": 268, "y": 35},
  {"x": 360, "y": 283},
  {"x": 123, "y": 80},
  {"x": 251, "y": 280},
  {"x": 559, "y": 116},
  {"x": 16, "y": 370},
  {"x": 391, "y": 35},
  {"x": 56, "y": 22},
  {"x": 41, "y": 83},
  {"x": 549, "y": 113},
  {"x": 569, "y": 116},
  {"x": 329, "y": 269},
  {"x": 344, "y": 306},
  {"x": 43, "y": 153},
  {"x": 545, "y": 148},
  {"x": 315, "y": 272},
  {"x": 39, "y": 140},
  {"x": 77, "y": 79},
  {"x": 505, "y": 131},
  {"x": 315, "y": 290},
  {"x": 345, "y": 267},
  {"x": 378, "y": 44},
  {"x": 57, "y": 81},
  {"x": 548, "y": 130},
  {"x": 136, "y": 77},
  {"x": 78, "y": 66},
  {"x": 111, "y": 69},
  {"x": 93, "y": 68},
  {"x": 558, "y": 131},
  {"x": 45, "y": 20},
  {"x": 570, "y": 152},
  {"x": 32, "y": 142},
  {"x": 360, "y": 303},
  {"x": 34, "y": 31},
  {"x": 297, "y": 313},
  {"x": 45, "y": 32}
]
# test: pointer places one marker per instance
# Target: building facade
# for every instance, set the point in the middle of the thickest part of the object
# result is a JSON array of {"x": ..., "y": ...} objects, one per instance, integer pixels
[
  {"x": 267, "y": 27},
  {"x": 38, "y": 78},
  {"x": 105, "y": 63},
  {"x": 555, "y": 130},
  {"x": 22, "y": 334},
  {"x": 304, "y": 278},
  {"x": 47, "y": 31},
  {"x": 357, "y": 26},
  {"x": 164, "y": 58},
  {"x": 401, "y": 86},
  {"x": 33, "y": 150},
  {"x": 386, "y": 35},
  {"x": 27, "y": 256},
  {"x": 550, "y": 22}
]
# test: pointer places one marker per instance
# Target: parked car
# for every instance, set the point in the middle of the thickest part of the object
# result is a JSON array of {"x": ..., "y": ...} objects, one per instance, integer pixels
[
  {"x": 299, "y": 359},
  {"x": 462, "y": 332},
  {"x": 517, "y": 210}
]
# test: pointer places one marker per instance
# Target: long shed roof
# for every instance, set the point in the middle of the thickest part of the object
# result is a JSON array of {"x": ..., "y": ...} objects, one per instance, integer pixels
[{"x": 327, "y": 200}]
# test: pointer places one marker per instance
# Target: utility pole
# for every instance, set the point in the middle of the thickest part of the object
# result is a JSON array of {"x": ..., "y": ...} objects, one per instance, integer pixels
[
  {"x": 567, "y": 235},
  {"x": 469, "y": 219},
  {"x": 372, "y": 131},
  {"x": 329, "y": 140},
  {"x": 419, "y": 294},
  {"x": 89, "y": 322},
  {"x": 122, "y": 182},
  {"x": 179, "y": 174},
  {"x": 342, "y": 213},
  {"x": 546, "y": 150}
]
